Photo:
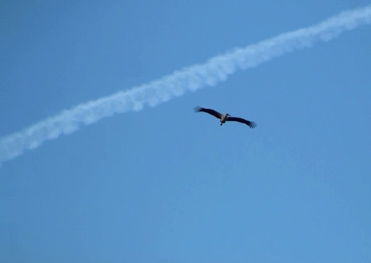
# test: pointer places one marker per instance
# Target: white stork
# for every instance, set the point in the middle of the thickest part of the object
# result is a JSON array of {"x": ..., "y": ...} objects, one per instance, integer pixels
[{"x": 225, "y": 117}]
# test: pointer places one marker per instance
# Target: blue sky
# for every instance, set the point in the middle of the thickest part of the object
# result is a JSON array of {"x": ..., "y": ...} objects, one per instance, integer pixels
[{"x": 165, "y": 184}]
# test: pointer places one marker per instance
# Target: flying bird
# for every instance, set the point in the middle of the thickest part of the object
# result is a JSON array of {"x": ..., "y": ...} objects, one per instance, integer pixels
[{"x": 225, "y": 117}]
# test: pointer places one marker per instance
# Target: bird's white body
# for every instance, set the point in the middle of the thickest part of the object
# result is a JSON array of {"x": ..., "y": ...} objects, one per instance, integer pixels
[{"x": 223, "y": 118}]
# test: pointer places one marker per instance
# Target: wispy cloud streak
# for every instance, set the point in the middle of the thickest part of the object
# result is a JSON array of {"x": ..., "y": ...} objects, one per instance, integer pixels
[{"x": 213, "y": 71}]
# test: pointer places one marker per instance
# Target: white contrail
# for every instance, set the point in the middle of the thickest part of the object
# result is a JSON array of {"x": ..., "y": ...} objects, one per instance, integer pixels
[{"x": 192, "y": 78}]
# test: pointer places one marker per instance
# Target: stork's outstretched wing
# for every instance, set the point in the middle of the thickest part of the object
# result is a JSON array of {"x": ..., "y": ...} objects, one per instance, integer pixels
[
  {"x": 210, "y": 111},
  {"x": 251, "y": 124}
]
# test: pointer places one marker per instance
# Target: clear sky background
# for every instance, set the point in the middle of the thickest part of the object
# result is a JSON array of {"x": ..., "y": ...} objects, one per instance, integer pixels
[{"x": 166, "y": 184}]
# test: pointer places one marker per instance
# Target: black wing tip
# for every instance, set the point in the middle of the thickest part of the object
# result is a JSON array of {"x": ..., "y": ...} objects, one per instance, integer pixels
[
  {"x": 252, "y": 124},
  {"x": 198, "y": 109}
]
